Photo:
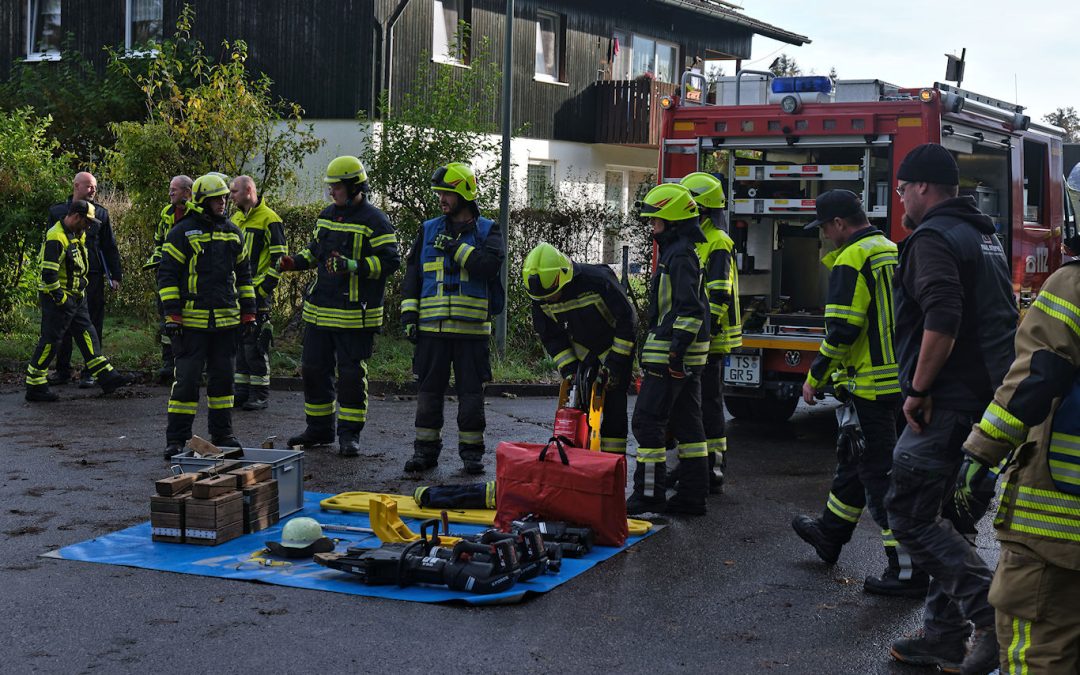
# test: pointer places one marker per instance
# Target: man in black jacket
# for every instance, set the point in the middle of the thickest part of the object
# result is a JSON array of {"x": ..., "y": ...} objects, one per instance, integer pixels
[
  {"x": 104, "y": 268},
  {"x": 955, "y": 322}
]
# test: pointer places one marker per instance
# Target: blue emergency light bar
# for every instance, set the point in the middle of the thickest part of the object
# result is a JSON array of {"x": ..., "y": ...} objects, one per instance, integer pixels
[{"x": 809, "y": 84}]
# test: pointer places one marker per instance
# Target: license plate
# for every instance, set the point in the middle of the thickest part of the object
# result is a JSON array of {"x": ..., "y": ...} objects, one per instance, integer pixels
[{"x": 742, "y": 369}]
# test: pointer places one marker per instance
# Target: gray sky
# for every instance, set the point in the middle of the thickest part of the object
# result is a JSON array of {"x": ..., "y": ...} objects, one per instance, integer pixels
[{"x": 904, "y": 43}]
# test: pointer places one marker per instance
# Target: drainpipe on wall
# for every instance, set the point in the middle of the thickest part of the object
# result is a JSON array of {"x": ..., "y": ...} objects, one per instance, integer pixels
[{"x": 388, "y": 46}]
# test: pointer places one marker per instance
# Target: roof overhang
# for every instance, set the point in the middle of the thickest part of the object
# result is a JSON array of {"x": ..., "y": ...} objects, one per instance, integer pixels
[{"x": 725, "y": 12}]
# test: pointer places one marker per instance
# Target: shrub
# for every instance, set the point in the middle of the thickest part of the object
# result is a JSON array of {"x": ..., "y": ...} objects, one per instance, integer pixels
[{"x": 33, "y": 176}]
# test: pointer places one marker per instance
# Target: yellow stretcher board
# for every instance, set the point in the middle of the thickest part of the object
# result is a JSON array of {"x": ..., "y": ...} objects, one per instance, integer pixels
[{"x": 360, "y": 502}]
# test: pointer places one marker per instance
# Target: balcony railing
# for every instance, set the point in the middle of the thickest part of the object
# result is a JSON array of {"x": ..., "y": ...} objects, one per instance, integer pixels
[{"x": 628, "y": 111}]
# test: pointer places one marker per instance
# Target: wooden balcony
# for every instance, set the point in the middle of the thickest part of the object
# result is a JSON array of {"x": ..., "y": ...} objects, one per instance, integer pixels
[{"x": 628, "y": 111}]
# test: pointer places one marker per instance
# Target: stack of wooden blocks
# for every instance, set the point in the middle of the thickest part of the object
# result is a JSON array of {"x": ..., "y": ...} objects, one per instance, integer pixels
[{"x": 215, "y": 505}]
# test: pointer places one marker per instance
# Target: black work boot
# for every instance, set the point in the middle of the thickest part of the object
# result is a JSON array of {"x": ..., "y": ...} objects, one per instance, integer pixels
[
  {"x": 311, "y": 438},
  {"x": 258, "y": 398},
  {"x": 59, "y": 377},
  {"x": 471, "y": 459},
  {"x": 982, "y": 658},
  {"x": 110, "y": 381},
  {"x": 919, "y": 650},
  {"x": 716, "y": 475},
  {"x": 348, "y": 443},
  {"x": 693, "y": 490},
  {"x": 425, "y": 456},
  {"x": 226, "y": 441},
  {"x": 809, "y": 530},
  {"x": 648, "y": 478},
  {"x": 40, "y": 393},
  {"x": 898, "y": 580},
  {"x": 172, "y": 450},
  {"x": 87, "y": 381}
]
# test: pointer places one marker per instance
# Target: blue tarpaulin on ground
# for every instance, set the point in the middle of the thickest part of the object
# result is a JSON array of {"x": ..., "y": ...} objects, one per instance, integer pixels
[{"x": 133, "y": 547}]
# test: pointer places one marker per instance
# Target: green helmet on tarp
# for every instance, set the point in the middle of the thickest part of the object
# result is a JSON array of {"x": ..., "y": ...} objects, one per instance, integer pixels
[{"x": 301, "y": 538}]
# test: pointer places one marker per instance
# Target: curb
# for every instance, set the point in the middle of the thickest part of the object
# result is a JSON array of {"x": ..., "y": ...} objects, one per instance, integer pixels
[{"x": 382, "y": 388}]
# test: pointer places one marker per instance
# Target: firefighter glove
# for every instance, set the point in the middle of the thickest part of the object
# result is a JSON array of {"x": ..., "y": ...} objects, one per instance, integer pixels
[
  {"x": 174, "y": 327},
  {"x": 676, "y": 369},
  {"x": 850, "y": 439},
  {"x": 339, "y": 264},
  {"x": 974, "y": 489},
  {"x": 410, "y": 332},
  {"x": 286, "y": 263},
  {"x": 446, "y": 243}
]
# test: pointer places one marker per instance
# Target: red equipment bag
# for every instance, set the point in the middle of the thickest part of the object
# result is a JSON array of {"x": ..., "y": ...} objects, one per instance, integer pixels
[{"x": 573, "y": 485}]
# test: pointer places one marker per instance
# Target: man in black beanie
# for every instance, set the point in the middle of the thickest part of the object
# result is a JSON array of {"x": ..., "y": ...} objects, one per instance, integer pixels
[{"x": 955, "y": 321}]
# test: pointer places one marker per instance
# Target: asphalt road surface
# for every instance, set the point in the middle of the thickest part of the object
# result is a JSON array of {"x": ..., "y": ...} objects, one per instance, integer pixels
[{"x": 733, "y": 592}]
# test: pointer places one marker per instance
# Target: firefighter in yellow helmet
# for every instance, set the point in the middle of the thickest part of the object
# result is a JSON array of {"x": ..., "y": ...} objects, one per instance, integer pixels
[
  {"x": 675, "y": 351},
  {"x": 717, "y": 256},
  {"x": 583, "y": 317},
  {"x": 204, "y": 283},
  {"x": 451, "y": 291},
  {"x": 354, "y": 251}
]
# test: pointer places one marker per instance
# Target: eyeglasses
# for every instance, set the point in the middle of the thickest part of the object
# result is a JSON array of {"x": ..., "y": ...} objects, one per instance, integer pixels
[{"x": 900, "y": 190}]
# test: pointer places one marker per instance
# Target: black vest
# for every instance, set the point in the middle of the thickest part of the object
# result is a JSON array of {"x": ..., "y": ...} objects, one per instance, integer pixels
[{"x": 984, "y": 344}]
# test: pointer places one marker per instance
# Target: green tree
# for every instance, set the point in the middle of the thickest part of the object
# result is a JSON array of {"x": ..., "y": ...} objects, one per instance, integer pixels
[
  {"x": 33, "y": 176},
  {"x": 785, "y": 66},
  {"x": 1069, "y": 120},
  {"x": 202, "y": 116},
  {"x": 81, "y": 101}
]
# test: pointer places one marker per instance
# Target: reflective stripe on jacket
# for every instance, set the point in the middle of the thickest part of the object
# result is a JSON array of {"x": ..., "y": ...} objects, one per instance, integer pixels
[
  {"x": 264, "y": 243},
  {"x": 1034, "y": 424},
  {"x": 64, "y": 262},
  {"x": 204, "y": 276},
  {"x": 353, "y": 300},
  {"x": 677, "y": 309},
  {"x": 857, "y": 352},
  {"x": 717, "y": 256}
]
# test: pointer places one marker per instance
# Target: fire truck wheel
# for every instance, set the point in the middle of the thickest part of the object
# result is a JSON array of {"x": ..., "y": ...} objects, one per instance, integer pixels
[{"x": 772, "y": 409}]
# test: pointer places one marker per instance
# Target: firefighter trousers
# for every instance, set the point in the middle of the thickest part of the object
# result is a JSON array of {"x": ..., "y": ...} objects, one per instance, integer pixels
[
  {"x": 94, "y": 299},
  {"x": 920, "y": 494},
  {"x": 712, "y": 414},
  {"x": 252, "y": 379},
  {"x": 432, "y": 359},
  {"x": 613, "y": 425},
  {"x": 57, "y": 322},
  {"x": 667, "y": 400},
  {"x": 861, "y": 483},
  {"x": 345, "y": 351},
  {"x": 196, "y": 350},
  {"x": 1038, "y": 625}
]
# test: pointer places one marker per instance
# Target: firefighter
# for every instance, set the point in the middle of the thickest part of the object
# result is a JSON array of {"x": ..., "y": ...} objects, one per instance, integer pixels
[
  {"x": 264, "y": 244},
  {"x": 104, "y": 268},
  {"x": 583, "y": 316},
  {"x": 717, "y": 256},
  {"x": 62, "y": 294},
  {"x": 354, "y": 251},
  {"x": 179, "y": 194},
  {"x": 451, "y": 290},
  {"x": 1034, "y": 423},
  {"x": 204, "y": 282},
  {"x": 675, "y": 351},
  {"x": 955, "y": 322},
  {"x": 858, "y": 360}
]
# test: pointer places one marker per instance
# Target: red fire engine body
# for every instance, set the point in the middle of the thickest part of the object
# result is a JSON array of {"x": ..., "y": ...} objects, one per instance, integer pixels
[{"x": 789, "y": 139}]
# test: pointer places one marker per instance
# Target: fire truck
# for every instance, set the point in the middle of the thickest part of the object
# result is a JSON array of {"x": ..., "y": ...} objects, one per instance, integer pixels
[{"x": 779, "y": 142}]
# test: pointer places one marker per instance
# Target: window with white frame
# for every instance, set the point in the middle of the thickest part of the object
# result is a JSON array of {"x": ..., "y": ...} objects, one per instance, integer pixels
[
  {"x": 450, "y": 40},
  {"x": 539, "y": 183},
  {"x": 549, "y": 46},
  {"x": 144, "y": 20},
  {"x": 43, "y": 29}
]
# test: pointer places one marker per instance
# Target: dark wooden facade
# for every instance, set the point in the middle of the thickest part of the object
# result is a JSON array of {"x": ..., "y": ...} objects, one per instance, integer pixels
[{"x": 327, "y": 54}]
